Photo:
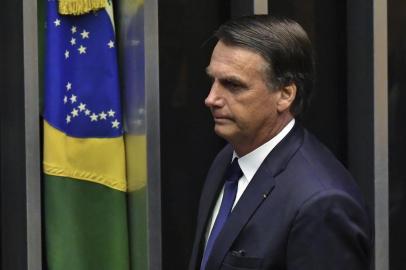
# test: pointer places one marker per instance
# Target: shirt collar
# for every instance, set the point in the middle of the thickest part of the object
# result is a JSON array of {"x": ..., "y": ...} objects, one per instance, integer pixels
[{"x": 250, "y": 162}]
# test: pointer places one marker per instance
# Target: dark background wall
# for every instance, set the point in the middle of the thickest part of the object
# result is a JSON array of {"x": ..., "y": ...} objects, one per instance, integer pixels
[
  {"x": 397, "y": 132},
  {"x": 188, "y": 143},
  {"x": 12, "y": 138}
]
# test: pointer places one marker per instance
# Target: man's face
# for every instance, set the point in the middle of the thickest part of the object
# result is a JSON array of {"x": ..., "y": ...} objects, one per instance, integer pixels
[{"x": 244, "y": 109}]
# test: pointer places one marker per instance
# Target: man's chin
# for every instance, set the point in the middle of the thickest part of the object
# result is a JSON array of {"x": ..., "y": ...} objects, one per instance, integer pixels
[{"x": 223, "y": 131}]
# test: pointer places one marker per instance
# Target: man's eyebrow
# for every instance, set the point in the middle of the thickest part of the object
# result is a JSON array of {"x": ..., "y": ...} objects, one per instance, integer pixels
[{"x": 232, "y": 78}]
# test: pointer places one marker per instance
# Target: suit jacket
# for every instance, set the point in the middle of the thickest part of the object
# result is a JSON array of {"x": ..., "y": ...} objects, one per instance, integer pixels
[{"x": 302, "y": 210}]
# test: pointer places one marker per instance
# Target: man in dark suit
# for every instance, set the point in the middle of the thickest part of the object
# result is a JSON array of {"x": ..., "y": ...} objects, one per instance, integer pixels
[{"x": 274, "y": 197}]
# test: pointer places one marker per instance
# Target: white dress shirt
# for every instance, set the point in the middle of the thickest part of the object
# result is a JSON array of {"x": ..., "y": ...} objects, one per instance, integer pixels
[{"x": 249, "y": 165}]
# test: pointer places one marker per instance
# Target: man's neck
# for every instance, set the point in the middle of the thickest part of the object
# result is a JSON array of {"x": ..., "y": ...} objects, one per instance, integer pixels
[{"x": 248, "y": 146}]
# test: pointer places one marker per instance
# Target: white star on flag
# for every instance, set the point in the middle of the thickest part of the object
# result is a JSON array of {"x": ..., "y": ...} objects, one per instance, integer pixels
[
  {"x": 68, "y": 86},
  {"x": 93, "y": 117},
  {"x": 84, "y": 34},
  {"x": 66, "y": 54},
  {"x": 75, "y": 112},
  {"x": 73, "y": 29},
  {"x": 115, "y": 123},
  {"x": 68, "y": 119},
  {"x": 65, "y": 99},
  {"x": 73, "y": 41},
  {"x": 87, "y": 112},
  {"x": 82, "y": 107},
  {"x": 110, "y": 44},
  {"x": 111, "y": 113},
  {"x": 103, "y": 115},
  {"x": 57, "y": 22},
  {"x": 82, "y": 49},
  {"x": 73, "y": 99}
]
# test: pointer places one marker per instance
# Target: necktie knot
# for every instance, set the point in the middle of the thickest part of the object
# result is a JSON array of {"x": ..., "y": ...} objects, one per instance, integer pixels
[{"x": 234, "y": 172}]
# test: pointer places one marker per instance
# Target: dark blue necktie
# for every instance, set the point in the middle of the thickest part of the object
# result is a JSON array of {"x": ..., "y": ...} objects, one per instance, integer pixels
[{"x": 233, "y": 174}]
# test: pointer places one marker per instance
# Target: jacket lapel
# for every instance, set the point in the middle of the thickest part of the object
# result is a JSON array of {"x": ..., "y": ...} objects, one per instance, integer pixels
[{"x": 258, "y": 190}]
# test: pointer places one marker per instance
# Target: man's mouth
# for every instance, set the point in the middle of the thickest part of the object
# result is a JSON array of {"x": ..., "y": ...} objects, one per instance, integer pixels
[{"x": 218, "y": 119}]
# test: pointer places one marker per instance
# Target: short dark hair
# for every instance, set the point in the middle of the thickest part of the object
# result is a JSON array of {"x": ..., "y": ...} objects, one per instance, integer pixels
[{"x": 284, "y": 45}]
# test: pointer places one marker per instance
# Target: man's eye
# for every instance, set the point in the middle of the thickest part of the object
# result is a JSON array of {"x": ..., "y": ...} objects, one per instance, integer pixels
[{"x": 232, "y": 85}]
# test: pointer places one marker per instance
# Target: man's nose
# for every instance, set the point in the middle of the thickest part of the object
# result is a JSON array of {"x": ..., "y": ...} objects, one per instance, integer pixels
[{"x": 213, "y": 99}]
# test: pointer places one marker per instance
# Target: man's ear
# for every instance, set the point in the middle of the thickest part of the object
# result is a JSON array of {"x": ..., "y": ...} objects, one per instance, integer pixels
[{"x": 286, "y": 98}]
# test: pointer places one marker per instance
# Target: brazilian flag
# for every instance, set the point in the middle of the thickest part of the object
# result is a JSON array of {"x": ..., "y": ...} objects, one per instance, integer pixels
[{"x": 84, "y": 159}]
